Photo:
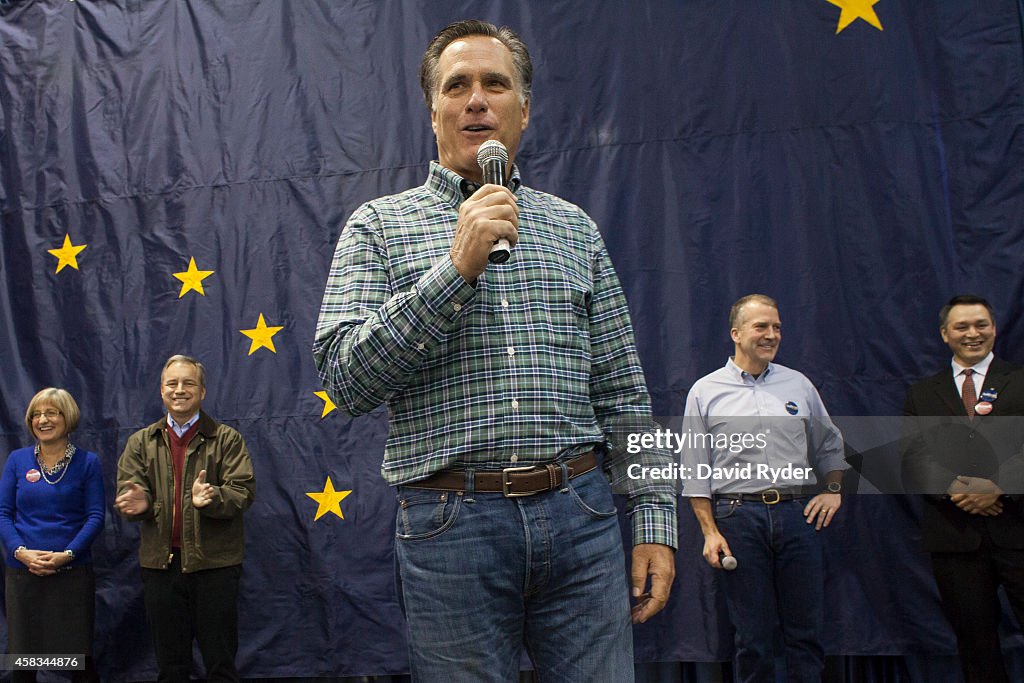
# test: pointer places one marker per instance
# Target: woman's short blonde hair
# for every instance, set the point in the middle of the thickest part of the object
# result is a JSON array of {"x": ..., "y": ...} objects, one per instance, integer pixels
[{"x": 59, "y": 399}]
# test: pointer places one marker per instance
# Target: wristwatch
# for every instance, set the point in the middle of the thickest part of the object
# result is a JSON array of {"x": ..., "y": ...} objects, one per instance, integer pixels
[
  {"x": 834, "y": 487},
  {"x": 70, "y": 553}
]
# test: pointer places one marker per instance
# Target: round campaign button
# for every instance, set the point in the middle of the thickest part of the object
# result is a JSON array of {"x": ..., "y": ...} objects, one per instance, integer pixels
[
  {"x": 792, "y": 408},
  {"x": 983, "y": 408},
  {"x": 32, "y": 475},
  {"x": 989, "y": 395}
]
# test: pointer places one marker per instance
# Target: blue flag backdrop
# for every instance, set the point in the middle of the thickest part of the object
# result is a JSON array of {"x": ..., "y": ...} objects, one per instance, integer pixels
[{"x": 174, "y": 176}]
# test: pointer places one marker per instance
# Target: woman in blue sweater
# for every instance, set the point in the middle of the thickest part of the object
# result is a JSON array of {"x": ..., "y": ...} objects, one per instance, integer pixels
[{"x": 51, "y": 510}]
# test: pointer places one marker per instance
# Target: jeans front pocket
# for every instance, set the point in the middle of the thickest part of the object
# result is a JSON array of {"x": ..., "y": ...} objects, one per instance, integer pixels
[
  {"x": 425, "y": 513},
  {"x": 725, "y": 508},
  {"x": 593, "y": 494}
]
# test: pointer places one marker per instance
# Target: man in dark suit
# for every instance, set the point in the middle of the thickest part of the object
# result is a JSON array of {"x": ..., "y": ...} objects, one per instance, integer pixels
[{"x": 966, "y": 459}]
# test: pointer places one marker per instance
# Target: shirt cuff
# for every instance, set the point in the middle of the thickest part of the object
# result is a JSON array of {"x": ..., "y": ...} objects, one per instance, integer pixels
[
  {"x": 696, "y": 488},
  {"x": 826, "y": 465},
  {"x": 444, "y": 291},
  {"x": 655, "y": 524}
]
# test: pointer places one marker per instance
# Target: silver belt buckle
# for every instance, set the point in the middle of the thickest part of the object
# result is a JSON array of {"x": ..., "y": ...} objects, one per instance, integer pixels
[{"x": 505, "y": 483}]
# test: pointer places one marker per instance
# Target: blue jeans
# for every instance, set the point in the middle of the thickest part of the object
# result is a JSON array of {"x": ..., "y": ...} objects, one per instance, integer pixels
[
  {"x": 778, "y": 582},
  {"x": 483, "y": 575}
]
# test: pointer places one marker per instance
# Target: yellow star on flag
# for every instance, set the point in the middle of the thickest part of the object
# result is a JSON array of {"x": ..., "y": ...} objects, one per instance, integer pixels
[
  {"x": 261, "y": 335},
  {"x": 67, "y": 255},
  {"x": 328, "y": 500},
  {"x": 328, "y": 403},
  {"x": 192, "y": 278},
  {"x": 856, "y": 9}
]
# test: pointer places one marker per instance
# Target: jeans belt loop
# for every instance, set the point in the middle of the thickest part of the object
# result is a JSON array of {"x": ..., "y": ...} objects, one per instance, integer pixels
[
  {"x": 565, "y": 476},
  {"x": 470, "y": 485}
]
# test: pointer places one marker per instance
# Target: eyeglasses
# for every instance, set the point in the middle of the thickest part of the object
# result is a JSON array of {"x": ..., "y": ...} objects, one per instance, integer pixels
[{"x": 48, "y": 414}]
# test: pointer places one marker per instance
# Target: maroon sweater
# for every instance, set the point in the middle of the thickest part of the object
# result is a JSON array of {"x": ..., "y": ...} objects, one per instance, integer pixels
[{"x": 179, "y": 445}]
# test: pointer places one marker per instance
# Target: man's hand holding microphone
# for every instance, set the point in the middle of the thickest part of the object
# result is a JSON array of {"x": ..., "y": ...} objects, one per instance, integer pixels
[{"x": 489, "y": 220}]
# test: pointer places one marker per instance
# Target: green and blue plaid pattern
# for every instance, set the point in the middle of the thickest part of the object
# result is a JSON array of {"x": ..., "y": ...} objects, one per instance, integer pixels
[{"x": 536, "y": 362}]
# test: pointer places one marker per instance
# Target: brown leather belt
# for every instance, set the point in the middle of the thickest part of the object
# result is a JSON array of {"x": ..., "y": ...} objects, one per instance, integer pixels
[{"x": 512, "y": 481}]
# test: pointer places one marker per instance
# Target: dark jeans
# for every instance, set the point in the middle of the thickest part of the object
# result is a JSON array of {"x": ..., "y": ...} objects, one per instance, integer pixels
[
  {"x": 203, "y": 604},
  {"x": 482, "y": 575},
  {"x": 778, "y": 583}
]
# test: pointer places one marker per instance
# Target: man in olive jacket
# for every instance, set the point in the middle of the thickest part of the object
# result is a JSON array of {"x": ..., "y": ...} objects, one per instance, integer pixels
[{"x": 188, "y": 479}]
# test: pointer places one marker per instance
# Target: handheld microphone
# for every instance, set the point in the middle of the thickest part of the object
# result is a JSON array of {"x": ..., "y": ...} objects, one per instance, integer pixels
[
  {"x": 492, "y": 157},
  {"x": 728, "y": 563}
]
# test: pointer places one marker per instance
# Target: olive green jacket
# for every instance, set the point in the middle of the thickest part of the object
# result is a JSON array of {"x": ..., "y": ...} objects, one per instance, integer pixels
[{"x": 212, "y": 536}]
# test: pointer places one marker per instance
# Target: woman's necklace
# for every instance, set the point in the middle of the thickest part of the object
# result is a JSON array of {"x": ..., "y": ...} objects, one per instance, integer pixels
[{"x": 60, "y": 466}]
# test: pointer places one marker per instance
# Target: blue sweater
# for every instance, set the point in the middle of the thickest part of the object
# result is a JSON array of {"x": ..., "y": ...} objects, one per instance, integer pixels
[{"x": 42, "y": 516}]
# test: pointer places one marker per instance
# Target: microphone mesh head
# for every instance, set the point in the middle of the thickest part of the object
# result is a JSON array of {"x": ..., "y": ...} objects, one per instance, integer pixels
[{"x": 492, "y": 150}]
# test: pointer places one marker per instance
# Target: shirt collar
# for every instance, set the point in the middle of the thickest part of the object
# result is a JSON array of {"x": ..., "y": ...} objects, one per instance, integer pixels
[
  {"x": 453, "y": 188},
  {"x": 741, "y": 375},
  {"x": 181, "y": 429},
  {"x": 980, "y": 368}
]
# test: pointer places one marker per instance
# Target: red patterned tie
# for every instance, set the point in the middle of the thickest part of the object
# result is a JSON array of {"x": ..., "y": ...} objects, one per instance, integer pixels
[{"x": 969, "y": 394}]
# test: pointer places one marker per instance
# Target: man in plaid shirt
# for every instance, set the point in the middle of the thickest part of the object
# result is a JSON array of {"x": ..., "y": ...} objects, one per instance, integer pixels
[{"x": 511, "y": 389}]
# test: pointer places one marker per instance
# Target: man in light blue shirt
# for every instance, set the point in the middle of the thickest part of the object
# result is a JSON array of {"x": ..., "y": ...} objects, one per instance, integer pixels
[{"x": 764, "y": 475}]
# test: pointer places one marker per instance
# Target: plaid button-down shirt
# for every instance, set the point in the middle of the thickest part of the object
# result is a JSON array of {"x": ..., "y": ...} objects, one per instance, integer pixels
[{"x": 536, "y": 362}]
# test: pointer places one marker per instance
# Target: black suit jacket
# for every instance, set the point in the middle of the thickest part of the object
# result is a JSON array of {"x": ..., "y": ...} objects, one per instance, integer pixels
[{"x": 947, "y": 444}]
